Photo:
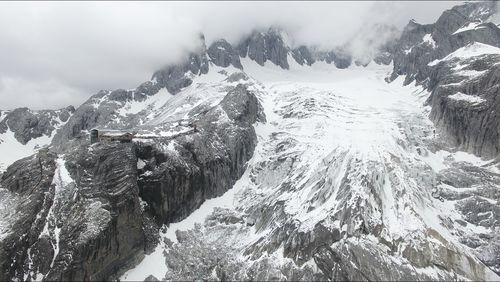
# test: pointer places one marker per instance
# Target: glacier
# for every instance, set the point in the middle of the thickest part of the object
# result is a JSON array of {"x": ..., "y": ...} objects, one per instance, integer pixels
[{"x": 342, "y": 150}]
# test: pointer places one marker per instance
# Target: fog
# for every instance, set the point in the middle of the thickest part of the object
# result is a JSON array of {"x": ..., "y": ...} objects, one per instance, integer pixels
[{"x": 54, "y": 54}]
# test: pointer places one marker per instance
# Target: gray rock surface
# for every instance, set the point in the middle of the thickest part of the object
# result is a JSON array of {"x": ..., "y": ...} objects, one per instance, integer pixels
[
  {"x": 28, "y": 124},
  {"x": 174, "y": 77},
  {"x": 303, "y": 55},
  {"x": 264, "y": 46},
  {"x": 341, "y": 58},
  {"x": 223, "y": 54}
]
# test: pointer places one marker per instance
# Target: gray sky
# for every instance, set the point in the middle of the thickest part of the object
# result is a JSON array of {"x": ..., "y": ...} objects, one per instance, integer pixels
[{"x": 54, "y": 54}]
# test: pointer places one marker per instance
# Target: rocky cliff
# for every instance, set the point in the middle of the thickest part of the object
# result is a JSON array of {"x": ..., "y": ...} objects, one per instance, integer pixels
[
  {"x": 452, "y": 57},
  {"x": 89, "y": 213},
  {"x": 27, "y": 124}
]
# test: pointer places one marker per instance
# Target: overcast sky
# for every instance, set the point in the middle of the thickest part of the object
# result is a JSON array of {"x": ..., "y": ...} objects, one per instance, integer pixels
[{"x": 53, "y": 54}]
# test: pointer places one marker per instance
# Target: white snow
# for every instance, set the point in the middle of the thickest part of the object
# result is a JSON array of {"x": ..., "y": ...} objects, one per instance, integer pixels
[
  {"x": 429, "y": 40},
  {"x": 469, "y": 26},
  {"x": 11, "y": 150},
  {"x": 475, "y": 100},
  {"x": 471, "y": 50}
]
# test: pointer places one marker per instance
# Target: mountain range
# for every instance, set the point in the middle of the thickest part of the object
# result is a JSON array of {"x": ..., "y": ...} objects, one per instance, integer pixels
[{"x": 264, "y": 160}]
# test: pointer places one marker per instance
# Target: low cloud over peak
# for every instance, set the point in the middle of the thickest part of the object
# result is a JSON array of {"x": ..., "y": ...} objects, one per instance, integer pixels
[{"x": 59, "y": 53}]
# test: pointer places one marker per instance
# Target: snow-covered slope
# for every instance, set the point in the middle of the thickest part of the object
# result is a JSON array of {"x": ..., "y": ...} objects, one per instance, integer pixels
[
  {"x": 24, "y": 131},
  {"x": 345, "y": 155}
]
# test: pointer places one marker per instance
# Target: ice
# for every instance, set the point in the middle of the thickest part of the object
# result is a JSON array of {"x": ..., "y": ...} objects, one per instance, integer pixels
[{"x": 323, "y": 125}]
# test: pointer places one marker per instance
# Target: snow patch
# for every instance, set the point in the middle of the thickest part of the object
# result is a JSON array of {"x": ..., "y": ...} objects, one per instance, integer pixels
[
  {"x": 429, "y": 40},
  {"x": 469, "y": 26},
  {"x": 471, "y": 50},
  {"x": 474, "y": 100},
  {"x": 140, "y": 164},
  {"x": 154, "y": 103},
  {"x": 12, "y": 150}
]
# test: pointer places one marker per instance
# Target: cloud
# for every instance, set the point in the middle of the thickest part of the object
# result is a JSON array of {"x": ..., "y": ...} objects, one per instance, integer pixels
[{"x": 55, "y": 53}]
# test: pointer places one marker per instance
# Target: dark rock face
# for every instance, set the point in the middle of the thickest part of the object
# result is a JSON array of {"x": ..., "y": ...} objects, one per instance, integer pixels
[
  {"x": 208, "y": 162},
  {"x": 412, "y": 53},
  {"x": 222, "y": 54},
  {"x": 473, "y": 125},
  {"x": 23, "y": 187},
  {"x": 174, "y": 78},
  {"x": 27, "y": 124},
  {"x": 84, "y": 220},
  {"x": 262, "y": 47},
  {"x": 302, "y": 55}
]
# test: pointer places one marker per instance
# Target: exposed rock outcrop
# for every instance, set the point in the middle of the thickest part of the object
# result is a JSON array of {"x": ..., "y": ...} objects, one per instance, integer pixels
[
  {"x": 177, "y": 76},
  {"x": 27, "y": 124},
  {"x": 204, "y": 165},
  {"x": 421, "y": 56},
  {"x": 465, "y": 102},
  {"x": 83, "y": 219},
  {"x": 265, "y": 46},
  {"x": 222, "y": 54}
]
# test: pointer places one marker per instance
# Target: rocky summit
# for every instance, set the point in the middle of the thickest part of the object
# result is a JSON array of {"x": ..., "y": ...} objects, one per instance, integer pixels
[{"x": 264, "y": 160}]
